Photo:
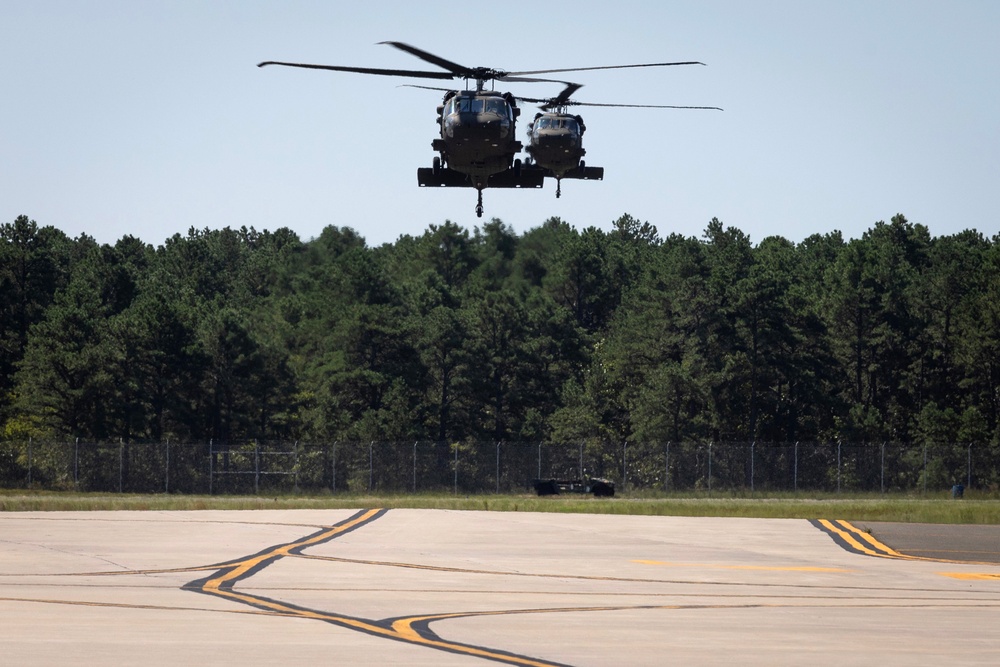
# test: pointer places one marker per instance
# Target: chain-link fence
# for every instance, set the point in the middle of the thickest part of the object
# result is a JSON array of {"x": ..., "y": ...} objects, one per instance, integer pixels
[{"x": 259, "y": 467}]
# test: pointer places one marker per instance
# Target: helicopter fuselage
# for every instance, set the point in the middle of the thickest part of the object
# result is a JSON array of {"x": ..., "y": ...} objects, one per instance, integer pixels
[{"x": 477, "y": 133}]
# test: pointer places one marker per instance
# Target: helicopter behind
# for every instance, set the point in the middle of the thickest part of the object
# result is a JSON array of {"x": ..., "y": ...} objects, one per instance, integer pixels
[
  {"x": 556, "y": 137},
  {"x": 556, "y": 145}
]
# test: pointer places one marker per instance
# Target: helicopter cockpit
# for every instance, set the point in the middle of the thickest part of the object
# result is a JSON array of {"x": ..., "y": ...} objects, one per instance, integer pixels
[
  {"x": 470, "y": 104},
  {"x": 459, "y": 109},
  {"x": 557, "y": 126}
]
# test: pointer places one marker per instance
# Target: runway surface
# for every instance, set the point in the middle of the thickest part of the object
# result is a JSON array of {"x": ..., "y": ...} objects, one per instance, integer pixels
[{"x": 437, "y": 587}]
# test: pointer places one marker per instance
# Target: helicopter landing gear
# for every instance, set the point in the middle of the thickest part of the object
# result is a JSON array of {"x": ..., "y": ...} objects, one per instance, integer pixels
[
  {"x": 558, "y": 188},
  {"x": 436, "y": 165},
  {"x": 479, "y": 206}
]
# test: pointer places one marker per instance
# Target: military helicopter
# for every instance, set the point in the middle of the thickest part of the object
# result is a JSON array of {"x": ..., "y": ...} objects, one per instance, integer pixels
[
  {"x": 477, "y": 143},
  {"x": 556, "y": 136}
]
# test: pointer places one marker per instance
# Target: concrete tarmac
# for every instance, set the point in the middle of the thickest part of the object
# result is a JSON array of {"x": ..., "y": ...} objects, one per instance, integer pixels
[{"x": 438, "y": 587}]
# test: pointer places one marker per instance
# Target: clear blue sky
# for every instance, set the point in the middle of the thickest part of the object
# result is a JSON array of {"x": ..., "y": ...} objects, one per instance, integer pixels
[{"x": 148, "y": 118}]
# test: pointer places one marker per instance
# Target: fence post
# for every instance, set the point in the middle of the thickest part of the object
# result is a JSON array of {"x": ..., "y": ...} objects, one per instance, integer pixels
[
  {"x": 795, "y": 470},
  {"x": 76, "y": 464},
  {"x": 666, "y": 469},
  {"x": 753, "y": 445},
  {"x": 882, "y": 466},
  {"x": 211, "y": 467},
  {"x": 166, "y": 470},
  {"x": 968, "y": 483},
  {"x": 498, "y": 467},
  {"x": 581, "y": 459},
  {"x": 371, "y": 469},
  {"x": 414, "y": 467},
  {"x": 455, "y": 491},
  {"x": 256, "y": 467},
  {"x": 539, "y": 461},
  {"x": 624, "y": 464},
  {"x": 925, "y": 469},
  {"x": 710, "y": 468},
  {"x": 295, "y": 462},
  {"x": 29, "y": 463},
  {"x": 121, "y": 463},
  {"x": 333, "y": 469},
  {"x": 838, "y": 466}
]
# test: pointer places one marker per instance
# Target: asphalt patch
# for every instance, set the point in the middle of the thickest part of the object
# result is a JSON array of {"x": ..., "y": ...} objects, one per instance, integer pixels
[{"x": 961, "y": 542}]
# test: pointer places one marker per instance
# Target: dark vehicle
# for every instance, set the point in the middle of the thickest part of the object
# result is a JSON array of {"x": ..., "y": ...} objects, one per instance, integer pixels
[{"x": 601, "y": 488}]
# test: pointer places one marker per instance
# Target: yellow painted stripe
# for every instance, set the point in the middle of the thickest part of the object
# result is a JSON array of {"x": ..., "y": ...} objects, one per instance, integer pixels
[
  {"x": 870, "y": 539},
  {"x": 245, "y": 566},
  {"x": 404, "y": 627},
  {"x": 849, "y": 537},
  {"x": 887, "y": 552},
  {"x": 971, "y": 576},
  {"x": 401, "y": 629}
]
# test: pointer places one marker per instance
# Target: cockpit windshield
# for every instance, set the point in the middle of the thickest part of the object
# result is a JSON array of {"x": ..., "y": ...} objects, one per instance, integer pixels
[
  {"x": 476, "y": 105},
  {"x": 471, "y": 104},
  {"x": 497, "y": 106},
  {"x": 555, "y": 123}
]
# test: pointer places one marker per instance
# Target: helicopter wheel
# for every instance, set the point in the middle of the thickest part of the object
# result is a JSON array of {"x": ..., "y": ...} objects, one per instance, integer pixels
[
  {"x": 436, "y": 165},
  {"x": 479, "y": 206},
  {"x": 558, "y": 188},
  {"x": 517, "y": 168}
]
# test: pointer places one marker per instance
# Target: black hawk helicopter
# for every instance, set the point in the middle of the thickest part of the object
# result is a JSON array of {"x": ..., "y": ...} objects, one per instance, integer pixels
[
  {"x": 477, "y": 143},
  {"x": 555, "y": 136}
]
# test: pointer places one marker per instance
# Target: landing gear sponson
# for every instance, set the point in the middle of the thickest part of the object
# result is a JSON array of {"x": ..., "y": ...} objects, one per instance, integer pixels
[
  {"x": 583, "y": 173},
  {"x": 448, "y": 178}
]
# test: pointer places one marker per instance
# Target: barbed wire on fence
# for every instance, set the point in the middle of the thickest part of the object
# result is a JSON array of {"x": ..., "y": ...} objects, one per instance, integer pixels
[{"x": 255, "y": 467}]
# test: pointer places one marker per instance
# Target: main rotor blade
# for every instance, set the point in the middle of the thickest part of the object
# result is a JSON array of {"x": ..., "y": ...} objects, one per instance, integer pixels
[
  {"x": 365, "y": 70},
  {"x": 454, "y": 68},
  {"x": 484, "y": 73},
  {"x": 563, "y": 97},
  {"x": 587, "y": 69},
  {"x": 634, "y": 106},
  {"x": 413, "y": 85},
  {"x": 563, "y": 101},
  {"x": 524, "y": 79}
]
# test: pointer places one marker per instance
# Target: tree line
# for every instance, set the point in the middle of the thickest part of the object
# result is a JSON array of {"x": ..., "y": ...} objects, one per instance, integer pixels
[{"x": 457, "y": 335}]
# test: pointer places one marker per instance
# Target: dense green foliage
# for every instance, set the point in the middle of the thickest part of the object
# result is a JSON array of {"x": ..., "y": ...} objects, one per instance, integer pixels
[{"x": 455, "y": 336}]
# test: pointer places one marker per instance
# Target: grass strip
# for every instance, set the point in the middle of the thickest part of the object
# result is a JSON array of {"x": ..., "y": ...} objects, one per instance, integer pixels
[{"x": 907, "y": 509}]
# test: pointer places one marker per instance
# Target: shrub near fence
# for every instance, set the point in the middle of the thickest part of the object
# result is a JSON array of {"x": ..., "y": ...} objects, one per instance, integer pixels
[{"x": 259, "y": 467}]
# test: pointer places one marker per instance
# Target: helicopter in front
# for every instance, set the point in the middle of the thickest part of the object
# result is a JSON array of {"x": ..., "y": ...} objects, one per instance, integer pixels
[{"x": 477, "y": 145}]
